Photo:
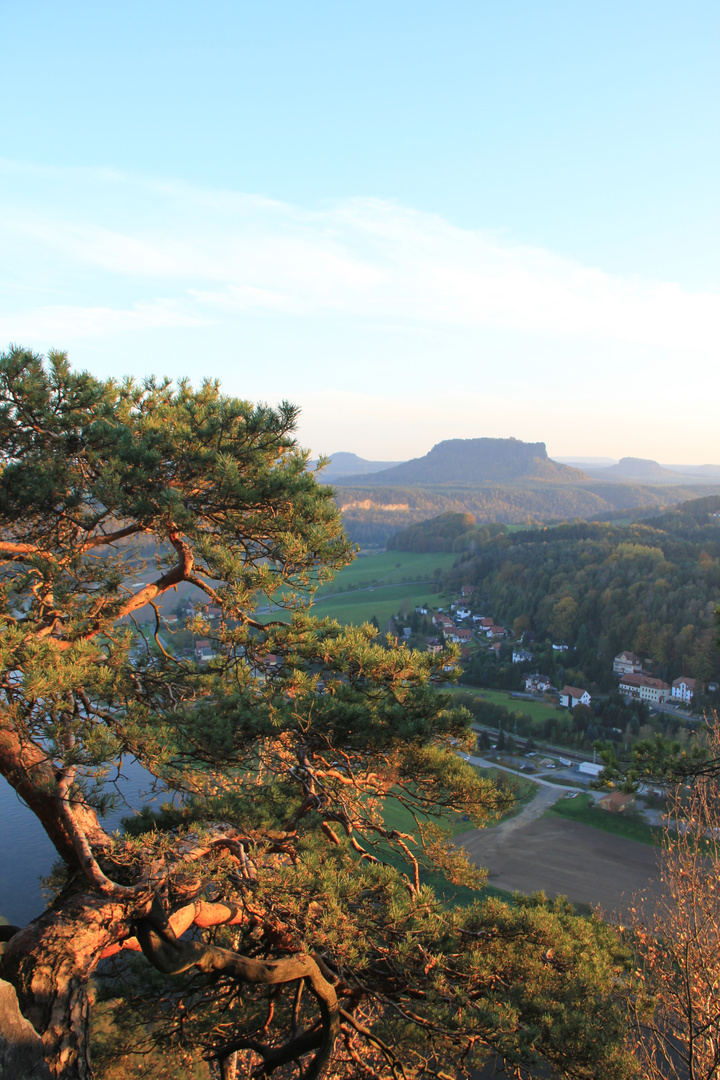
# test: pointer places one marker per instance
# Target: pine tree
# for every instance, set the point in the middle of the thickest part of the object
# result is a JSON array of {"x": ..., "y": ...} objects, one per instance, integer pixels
[{"x": 281, "y": 904}]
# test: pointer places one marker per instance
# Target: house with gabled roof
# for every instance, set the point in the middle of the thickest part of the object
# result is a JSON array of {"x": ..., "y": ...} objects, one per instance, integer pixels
[
  {"x": 538, "y": 684},
  {"x": 521, "y": 656},
  {"x": 203, "y": 651},
  {"x": 626, "y": 663},
  {"x": 616, "y": 802},
  {"x": 570, "y": 696}
]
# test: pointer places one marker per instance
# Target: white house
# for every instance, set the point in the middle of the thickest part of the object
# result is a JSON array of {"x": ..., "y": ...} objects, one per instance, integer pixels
[
  {"x": 521, "y": 656},
  {"x": 683, "y": 689},
  {"x": 570, "y": 696}
]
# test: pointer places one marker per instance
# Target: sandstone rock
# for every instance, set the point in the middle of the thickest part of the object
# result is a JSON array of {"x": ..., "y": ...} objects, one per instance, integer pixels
[{"x": 21, "y": 1050}]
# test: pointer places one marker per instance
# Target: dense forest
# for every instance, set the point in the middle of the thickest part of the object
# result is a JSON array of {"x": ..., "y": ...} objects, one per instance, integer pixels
[
  {"x": 652, "y": 587},
  {"x": 447, "y": 532}
]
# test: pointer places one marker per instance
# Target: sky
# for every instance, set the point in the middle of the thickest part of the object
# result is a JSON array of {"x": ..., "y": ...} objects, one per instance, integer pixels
[{"x": 417, "y": 221}]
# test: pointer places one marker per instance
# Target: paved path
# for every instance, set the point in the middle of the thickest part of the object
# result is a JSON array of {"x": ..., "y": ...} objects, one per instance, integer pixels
[{"x": 483, "y": 763}]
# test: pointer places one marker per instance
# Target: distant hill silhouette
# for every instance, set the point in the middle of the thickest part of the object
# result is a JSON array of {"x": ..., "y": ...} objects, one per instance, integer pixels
[
  {"x": 472, "y": 461},
  {"x": 633, "y": 468},
  {"x": 345, "y": 464},
  {"x": 709, "y": 472}
]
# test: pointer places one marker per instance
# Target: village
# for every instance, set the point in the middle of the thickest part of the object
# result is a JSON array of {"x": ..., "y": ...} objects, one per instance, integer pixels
[
  {"x": 508, "y": 738},
  {"x": 464, "y": 625},
  {"x": 461, "y": 623}
]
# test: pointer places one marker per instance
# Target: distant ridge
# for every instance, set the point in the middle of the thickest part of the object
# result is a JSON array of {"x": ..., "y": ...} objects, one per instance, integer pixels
[
  {"x": 632, "y": 468},
  {"x": 709, "y": 472},
  {"x": 472, "y": 461},
  {"x": 345, "y": 464},
  {"x": 644, "y": 471}
]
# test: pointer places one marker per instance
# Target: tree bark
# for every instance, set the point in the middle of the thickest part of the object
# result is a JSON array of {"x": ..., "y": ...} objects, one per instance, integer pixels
[
  {"x": 49, "y": 962},
  {"x": 27, "y": 769}
]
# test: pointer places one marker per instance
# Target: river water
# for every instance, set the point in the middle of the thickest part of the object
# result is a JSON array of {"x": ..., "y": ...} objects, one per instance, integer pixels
[{"x": 26, "y": 854}]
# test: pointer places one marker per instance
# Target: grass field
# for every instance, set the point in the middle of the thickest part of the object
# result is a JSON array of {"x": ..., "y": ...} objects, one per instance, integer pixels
[
  {"x": 388, "y": 568},
  {"x": 354, "y": 608},
  {"x": 538, "y": 710},
  {"x": 583, "y": 809},
  {"x": 379, "y": 585},
  {"x": 398, "y": 817}
]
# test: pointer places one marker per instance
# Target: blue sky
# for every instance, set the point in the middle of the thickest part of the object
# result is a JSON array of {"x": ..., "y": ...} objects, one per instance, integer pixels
[{"x": 416, "y": 220}]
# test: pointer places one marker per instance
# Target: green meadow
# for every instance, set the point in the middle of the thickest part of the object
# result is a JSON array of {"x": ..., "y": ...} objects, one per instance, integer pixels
[
  {"x": 381, "y": 585},
  {"x": 627, "y": 824},
  {"x": 388, "y": 568},
  {"x": 538, "y": 710}
]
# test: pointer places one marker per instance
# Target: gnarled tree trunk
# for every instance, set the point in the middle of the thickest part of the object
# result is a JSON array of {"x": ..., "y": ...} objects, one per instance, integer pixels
[{"x": 49, "y": 963}]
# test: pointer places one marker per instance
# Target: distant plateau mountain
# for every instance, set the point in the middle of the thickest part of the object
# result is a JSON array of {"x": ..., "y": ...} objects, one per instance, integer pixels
[
  {"x": 647, "y": 471},
  {"x": 470, "y": 462}
]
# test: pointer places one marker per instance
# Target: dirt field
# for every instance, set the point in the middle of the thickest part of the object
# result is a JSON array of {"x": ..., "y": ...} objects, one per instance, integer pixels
[{"x": 587, "y": 865}]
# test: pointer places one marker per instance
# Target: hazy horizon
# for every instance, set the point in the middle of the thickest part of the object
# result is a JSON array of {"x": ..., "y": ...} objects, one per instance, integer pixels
[{"x": 597, "y": 461}]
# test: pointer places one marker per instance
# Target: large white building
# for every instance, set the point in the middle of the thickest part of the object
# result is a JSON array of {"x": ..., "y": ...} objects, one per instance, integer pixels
[
  {"x": 644, "y": 688},
  {"x": 590, "y": 768}
]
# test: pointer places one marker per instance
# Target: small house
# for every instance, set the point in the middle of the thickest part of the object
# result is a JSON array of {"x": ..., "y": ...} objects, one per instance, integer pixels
[
  {"x": 616, "y": 802},
  {"x": 627, "y": 663},
  {"x": 203, "y": 651},
  {"x": 521, "y": 656},
  {"x": 570, "y": 696}
]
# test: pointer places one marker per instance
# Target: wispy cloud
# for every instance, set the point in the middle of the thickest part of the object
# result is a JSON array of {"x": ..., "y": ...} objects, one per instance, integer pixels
[
  {"x": 393, "y": 328},
  {"x": 59, "y": 323},
  {"x": 186, "y": 256}
]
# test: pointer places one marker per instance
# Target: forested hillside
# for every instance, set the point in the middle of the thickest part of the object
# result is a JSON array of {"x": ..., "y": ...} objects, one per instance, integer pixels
[
  {"x": 447, "y": 532},
  {"x": 371, "y": 515},
  {"x": 651, "y": 587}
]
